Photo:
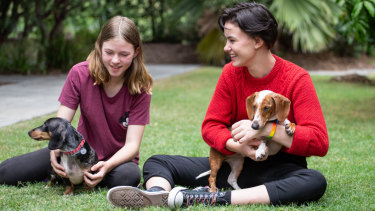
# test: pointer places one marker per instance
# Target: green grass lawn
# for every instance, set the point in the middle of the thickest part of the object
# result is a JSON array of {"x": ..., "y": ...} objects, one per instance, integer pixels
[{"x": 177, "y": 111}]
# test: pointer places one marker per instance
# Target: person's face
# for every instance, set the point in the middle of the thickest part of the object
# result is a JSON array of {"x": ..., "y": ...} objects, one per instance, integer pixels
[
  {"x": 239, "y": 45},
  {"x": 117, "y": 56}
]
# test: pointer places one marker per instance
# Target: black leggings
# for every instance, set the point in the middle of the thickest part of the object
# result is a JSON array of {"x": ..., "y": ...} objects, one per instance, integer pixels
[
  {"x": 36, "y": 167},
  {"x": 285, "y": 176}
]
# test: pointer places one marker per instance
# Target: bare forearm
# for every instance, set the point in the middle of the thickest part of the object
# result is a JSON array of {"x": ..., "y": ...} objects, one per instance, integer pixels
[
  {"x": 280, "y": 135},
  {"x": 125, "y": 154},
  {"x": 130, "y": 149},
  {"x": 66, "y": 113}
]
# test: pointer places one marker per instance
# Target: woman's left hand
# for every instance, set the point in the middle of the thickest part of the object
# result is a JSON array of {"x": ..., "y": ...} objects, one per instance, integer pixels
[
  {"x": 94, "y": 179},
  {"x": 243, "y": 132}
]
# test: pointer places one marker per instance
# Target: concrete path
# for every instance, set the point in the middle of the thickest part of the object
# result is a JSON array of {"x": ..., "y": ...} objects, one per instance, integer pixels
[
  {"x": 343, "y": 72},
  {"x": 26, "y": 97}
]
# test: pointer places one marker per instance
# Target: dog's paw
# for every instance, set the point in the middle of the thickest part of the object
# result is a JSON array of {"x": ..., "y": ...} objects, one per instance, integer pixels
[
  {"x": 290, "y": 128},
  {"x": 260, "y": 157},
  {"x": 260, "y": 154}
]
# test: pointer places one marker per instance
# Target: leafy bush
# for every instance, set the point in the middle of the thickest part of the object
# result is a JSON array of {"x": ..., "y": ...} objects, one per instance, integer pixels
[
  {"x": 28, "y": 56},
  {"x": 17, "y": 57},
  {"x": 356, "y": 32},
  {"x": 63, "y": 53}
]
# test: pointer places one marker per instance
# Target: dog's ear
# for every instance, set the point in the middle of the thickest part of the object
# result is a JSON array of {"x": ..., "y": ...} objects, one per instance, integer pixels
[
  {"x": 282, "y": 106},
  {"x": 57, "y": 138},
  {"x": 250, "y": 105}
]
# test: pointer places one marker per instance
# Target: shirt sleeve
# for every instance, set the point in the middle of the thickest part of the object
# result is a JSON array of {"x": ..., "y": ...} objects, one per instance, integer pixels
[
  {"x": 70, "y": 94},
  {"x": 140, "y": 109},
  {"x": 215, "y": 130},
  {"x": 311, "y": 136}
]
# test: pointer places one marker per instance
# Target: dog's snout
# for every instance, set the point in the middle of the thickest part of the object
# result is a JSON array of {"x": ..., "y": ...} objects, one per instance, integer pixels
[{"x": 255, "y": 125}]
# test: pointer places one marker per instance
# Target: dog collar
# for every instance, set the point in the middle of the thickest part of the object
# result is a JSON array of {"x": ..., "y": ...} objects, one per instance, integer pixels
[
  {"x": 275, "y": 121},
  {"x": 77, "y": 149}
]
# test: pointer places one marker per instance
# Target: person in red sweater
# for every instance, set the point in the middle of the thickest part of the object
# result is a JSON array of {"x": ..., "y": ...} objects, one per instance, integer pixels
[{"x": 250, "y": 30}]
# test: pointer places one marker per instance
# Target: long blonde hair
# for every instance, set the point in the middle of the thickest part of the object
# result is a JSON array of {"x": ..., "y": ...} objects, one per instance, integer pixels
[{"x": 136, "y": 76}]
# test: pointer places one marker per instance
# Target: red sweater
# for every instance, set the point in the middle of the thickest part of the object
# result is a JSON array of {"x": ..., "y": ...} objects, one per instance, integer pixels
[{"x": 228, "y": 106}]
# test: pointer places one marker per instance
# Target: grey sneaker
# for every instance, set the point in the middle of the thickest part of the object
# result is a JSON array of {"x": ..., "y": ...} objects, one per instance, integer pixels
[
  {"x": 132, "y": 197},
  {"x": 182, "y": 197}
]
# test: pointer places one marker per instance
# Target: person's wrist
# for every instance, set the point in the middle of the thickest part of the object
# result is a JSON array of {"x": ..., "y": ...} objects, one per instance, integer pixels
[
  {"x": 231, "y": 145},
  {"x": 267, "y": 130}
]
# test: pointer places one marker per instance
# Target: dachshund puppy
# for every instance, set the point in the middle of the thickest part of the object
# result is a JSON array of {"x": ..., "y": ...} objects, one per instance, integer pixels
[
  {"x": 76, "y": 155},
  {"x": 262, "y": 107},
  {"x": 267, "y": 106}
]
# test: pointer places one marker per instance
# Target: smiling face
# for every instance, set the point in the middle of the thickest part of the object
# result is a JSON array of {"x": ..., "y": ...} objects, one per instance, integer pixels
[
  {"x": 240, "y": 46},
  {"x": 117, "y": 56}
]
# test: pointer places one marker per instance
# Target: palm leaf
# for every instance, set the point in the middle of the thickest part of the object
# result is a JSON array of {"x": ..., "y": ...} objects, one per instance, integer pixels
[{"x": 309, "y": 21}]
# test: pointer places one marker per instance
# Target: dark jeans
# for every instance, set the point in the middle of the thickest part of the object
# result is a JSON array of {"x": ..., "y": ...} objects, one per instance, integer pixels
[
  {"x": 36, "y": 167},
  {"x": 285, "y": 176}
]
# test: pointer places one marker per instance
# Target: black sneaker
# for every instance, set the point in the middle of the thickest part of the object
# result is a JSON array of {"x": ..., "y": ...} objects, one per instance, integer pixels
[
  {"x": 183, "y": 197},
  {"x": 202, "y": 189},
  {"x": 132, "y": 197}
]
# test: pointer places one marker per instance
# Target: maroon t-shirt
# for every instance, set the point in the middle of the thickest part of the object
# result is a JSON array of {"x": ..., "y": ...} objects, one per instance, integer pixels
[{"x": 104, "y": 120}]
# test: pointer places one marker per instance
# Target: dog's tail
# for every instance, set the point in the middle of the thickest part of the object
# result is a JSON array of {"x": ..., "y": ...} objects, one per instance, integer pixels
[{"x": 203, "y": 174}]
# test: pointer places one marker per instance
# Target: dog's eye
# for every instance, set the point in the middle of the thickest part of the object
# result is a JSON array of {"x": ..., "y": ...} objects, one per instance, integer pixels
[
  {"x": 254, "y": 107},
  {"x": 266, "y": 108}
]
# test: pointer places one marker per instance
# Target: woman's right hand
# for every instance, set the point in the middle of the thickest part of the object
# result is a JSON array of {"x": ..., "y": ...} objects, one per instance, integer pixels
[
  {"x": 59, "y": 169},
  {"x": 246, "y": 149}
]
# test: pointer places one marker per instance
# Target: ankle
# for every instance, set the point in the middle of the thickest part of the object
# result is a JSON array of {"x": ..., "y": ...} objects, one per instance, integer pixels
[{"x": 156, "y": 188}]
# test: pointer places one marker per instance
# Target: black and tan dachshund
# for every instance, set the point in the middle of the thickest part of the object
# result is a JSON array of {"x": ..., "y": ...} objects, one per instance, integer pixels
[{"x": 76, "y": 155}]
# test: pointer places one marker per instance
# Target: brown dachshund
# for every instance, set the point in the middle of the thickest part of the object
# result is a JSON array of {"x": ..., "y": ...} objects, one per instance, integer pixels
[{"x": 262, "y": 107}]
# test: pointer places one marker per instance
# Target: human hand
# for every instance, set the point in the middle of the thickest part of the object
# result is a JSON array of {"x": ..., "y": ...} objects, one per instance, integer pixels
[
  {"x": 243, "y": 132},
  {"x": 59, "y": 169},
  {"x": 247, "y": 149},
  {"x": 94, "y": 179}
]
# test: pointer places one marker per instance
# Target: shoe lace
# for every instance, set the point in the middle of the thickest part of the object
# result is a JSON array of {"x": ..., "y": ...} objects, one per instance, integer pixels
[{"x": 207, "y": 198}]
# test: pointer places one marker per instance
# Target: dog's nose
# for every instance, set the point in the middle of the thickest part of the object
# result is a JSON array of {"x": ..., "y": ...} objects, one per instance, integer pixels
[{"x": 255, "y": 125}]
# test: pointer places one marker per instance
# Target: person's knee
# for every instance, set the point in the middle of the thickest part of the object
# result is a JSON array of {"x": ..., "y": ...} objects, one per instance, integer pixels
[
  {"x": 302, "y": 186},
  {"x": 4, "y": 173},
  {"x": 158, "y": 166},
  {"x": 154, "y": 160},
  {"x": 127, "y": 174},
  {"x": 319, "y": 183},
  {"x": 31, "y": 167},
  {"x": 132, "y": 178}
]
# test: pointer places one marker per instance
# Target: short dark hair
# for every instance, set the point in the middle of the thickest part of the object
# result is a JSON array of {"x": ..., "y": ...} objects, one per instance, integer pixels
[{"x": 254, "y": 19}]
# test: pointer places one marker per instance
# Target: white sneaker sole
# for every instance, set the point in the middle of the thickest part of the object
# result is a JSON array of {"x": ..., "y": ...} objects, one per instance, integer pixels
[
  {"x": 132, "y": 197},
  {"x": 173, "y": 200}
]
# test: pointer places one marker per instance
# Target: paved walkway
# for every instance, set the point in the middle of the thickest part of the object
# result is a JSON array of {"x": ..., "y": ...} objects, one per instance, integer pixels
[
  {"x": 343, "y": 72},
  {"x": 26, "y": 97}
]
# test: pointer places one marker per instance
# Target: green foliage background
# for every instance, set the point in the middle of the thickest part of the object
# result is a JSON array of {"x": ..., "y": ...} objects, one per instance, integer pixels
[{"x": 40, "y": 36}]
